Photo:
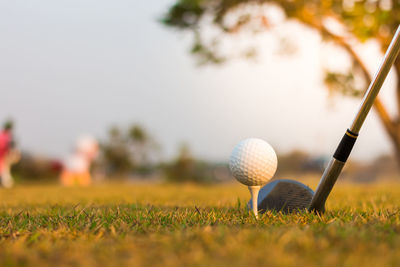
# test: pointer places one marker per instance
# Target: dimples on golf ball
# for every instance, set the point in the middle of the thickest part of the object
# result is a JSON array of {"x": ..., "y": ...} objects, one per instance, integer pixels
[{"x": 253, "y": 162}]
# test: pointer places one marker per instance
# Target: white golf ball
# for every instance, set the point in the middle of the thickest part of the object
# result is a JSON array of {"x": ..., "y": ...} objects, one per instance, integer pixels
[{"x": 253, "y": 162}]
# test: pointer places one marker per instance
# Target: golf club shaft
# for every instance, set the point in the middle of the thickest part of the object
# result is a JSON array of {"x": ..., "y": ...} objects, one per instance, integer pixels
[{"x": 339, "y": 159}]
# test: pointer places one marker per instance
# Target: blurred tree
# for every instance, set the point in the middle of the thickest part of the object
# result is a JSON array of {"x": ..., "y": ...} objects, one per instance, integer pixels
[
  {"x": 359, "y": 20},
  {"x": 115, "y": 153},
  {"x": 292, "y": 163},
  {"x": 141, "y": 143},
  {"x": 34, "y": 168},
  {"x": 186, "y": 169},
  {"x": 127, "y": 150}
]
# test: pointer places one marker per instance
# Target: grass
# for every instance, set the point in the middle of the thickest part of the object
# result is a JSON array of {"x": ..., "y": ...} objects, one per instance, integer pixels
[{"x": 188, "y": 225}]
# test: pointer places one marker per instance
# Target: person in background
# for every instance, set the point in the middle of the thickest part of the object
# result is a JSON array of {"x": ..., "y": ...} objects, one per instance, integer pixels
[
  {"x": 8, "y": 154},
  {"x": 76, "y": 169}
]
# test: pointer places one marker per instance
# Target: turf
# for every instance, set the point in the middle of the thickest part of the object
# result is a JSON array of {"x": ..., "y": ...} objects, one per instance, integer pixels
[{"x": 188, "y": 225}]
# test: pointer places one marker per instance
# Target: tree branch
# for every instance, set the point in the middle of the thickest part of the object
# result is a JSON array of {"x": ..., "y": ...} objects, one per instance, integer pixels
[{"x": 382, "y": 112}]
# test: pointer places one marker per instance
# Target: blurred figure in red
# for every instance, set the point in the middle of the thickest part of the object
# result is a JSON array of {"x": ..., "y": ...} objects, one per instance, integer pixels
[
  {"x": 8, "y": 154},
  {"x": 76, "y": 169}
]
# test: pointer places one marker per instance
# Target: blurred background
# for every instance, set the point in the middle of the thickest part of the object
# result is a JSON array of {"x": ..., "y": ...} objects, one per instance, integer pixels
[{"x": 167, "y": 88}]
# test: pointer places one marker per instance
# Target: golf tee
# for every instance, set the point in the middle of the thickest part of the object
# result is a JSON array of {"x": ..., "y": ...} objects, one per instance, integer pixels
[{"x": 254, "y": 198}]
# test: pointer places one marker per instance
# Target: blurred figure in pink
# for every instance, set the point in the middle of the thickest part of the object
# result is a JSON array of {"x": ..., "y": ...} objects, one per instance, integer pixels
[
  {"x": 8, "y": 154},
  {"x": 76, "y": 169}
]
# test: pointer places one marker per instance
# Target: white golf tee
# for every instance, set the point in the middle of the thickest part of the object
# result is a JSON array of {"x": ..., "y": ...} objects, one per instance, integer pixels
[{"x": 254, "y": 198}]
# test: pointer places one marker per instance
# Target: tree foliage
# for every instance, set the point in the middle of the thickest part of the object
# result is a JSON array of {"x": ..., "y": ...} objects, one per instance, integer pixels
[
  {"x": 343, "y": 23},
  {"x": 362, "y": 20}
]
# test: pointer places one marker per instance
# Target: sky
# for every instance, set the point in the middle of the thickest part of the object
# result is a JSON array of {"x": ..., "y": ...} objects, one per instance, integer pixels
[{"x": 74, "y": 67}]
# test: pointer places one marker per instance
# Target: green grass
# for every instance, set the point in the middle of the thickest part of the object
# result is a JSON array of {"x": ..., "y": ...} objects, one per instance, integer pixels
[{"x": 171, "y": 225}]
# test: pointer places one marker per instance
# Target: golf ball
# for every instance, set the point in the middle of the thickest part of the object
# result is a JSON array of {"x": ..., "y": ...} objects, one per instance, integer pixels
[{"x": 253, "y": 162}]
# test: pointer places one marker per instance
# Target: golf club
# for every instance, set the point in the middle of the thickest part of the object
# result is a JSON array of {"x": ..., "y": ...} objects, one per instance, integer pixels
[{"x": 289, "y": 195}]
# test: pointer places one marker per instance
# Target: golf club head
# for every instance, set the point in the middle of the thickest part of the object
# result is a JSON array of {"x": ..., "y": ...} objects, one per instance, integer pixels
[{"x": 284, "y": 195}]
